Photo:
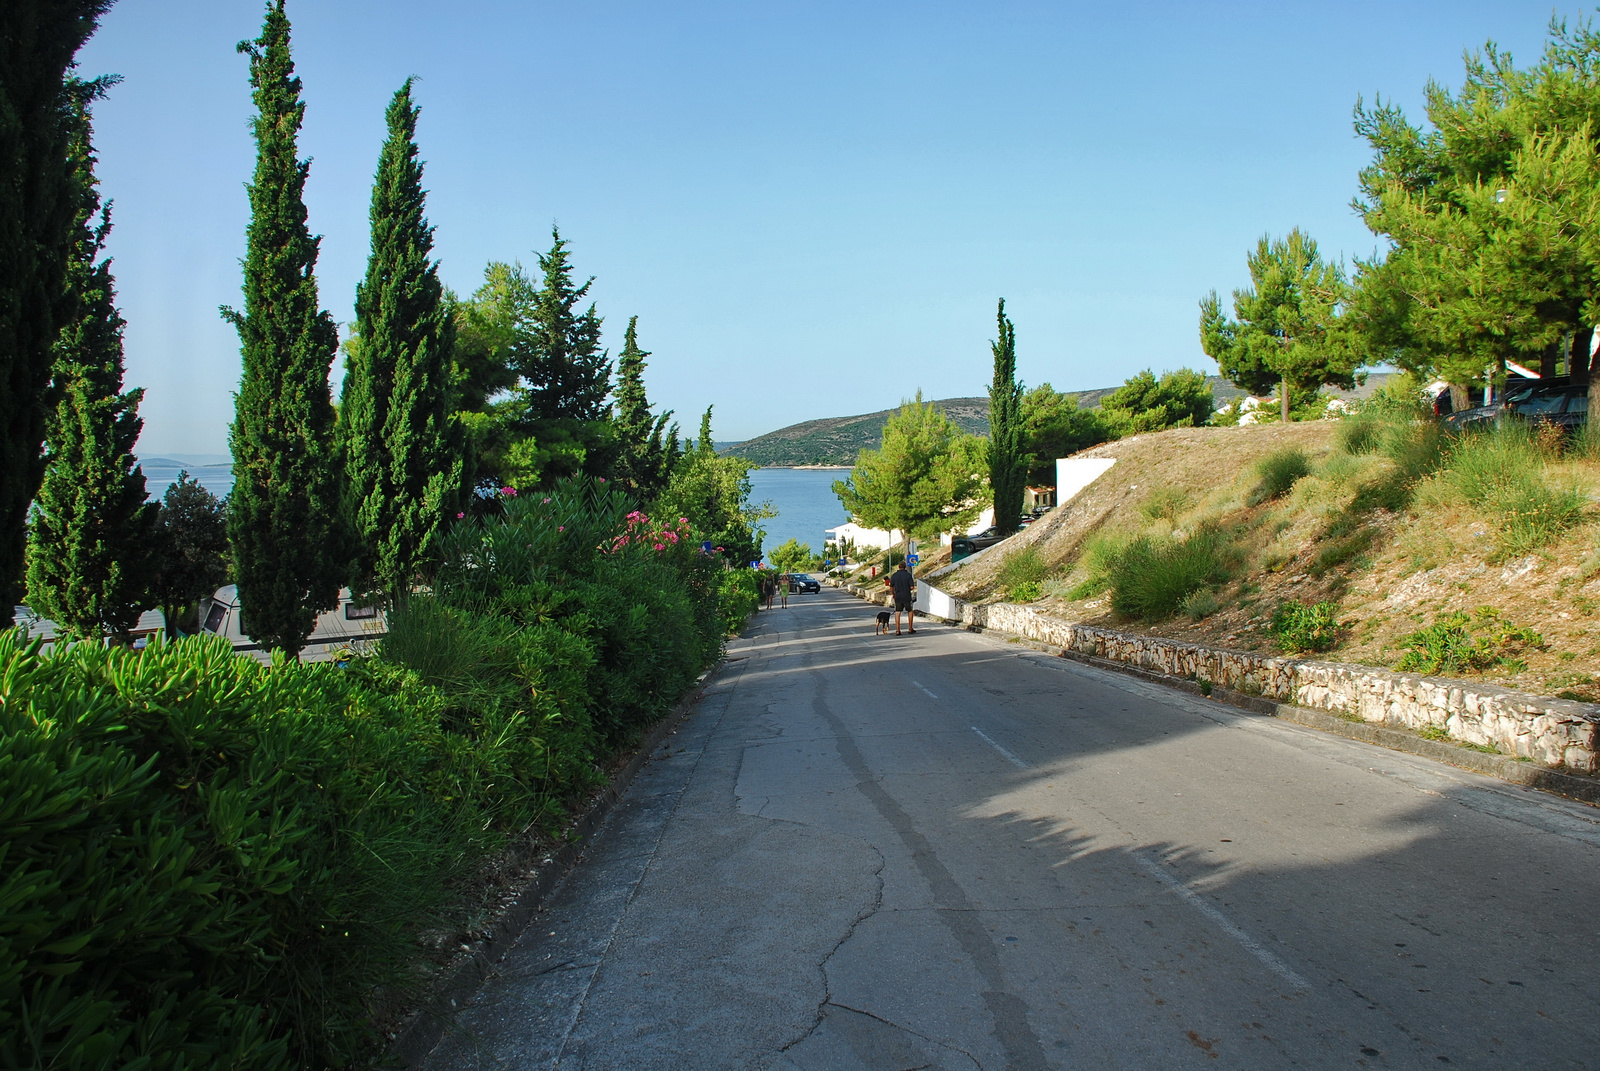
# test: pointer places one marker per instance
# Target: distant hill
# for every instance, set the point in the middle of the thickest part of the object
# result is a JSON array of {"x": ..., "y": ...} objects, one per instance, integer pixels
[{"x": 838, "y": 440}]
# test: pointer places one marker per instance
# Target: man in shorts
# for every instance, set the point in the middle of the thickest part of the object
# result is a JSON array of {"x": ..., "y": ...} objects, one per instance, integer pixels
[{"x": 904, "y": 588}]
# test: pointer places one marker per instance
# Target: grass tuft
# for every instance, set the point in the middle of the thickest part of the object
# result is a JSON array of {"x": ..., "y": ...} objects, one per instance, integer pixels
[
  {"x": 1150, "y": 579},
  {"x": 1278, "y": 472}
]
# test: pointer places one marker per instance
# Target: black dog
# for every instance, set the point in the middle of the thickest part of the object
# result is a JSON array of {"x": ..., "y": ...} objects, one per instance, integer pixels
[{"x": 883, "y": 623}]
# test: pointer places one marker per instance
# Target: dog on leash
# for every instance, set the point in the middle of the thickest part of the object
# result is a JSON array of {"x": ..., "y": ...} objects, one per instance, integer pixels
[{"x": 883, "y": 623}]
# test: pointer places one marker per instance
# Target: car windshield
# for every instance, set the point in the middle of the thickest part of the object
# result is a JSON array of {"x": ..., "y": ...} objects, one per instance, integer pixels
[{"x": 1542, "y": 403}]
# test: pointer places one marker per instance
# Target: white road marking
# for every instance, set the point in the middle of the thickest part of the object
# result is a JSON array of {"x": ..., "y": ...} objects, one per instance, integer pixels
[
  {"x": 1018, "y": 763},
  {"x": 1225, "y": 924},
  {"x": 925, "y": 691}
]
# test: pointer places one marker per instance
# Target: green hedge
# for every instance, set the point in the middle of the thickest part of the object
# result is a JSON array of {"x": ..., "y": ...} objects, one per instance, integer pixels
[{"x": 206, "y": 862}]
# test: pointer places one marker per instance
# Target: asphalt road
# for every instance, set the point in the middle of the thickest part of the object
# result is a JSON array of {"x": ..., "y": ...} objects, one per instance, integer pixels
[{"x": 944, "y": 851}]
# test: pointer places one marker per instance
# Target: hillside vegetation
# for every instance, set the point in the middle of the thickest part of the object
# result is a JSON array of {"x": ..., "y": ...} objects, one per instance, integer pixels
[
  {"x": 840, "y": 440},
  {"x": 1362, "y": 540}
]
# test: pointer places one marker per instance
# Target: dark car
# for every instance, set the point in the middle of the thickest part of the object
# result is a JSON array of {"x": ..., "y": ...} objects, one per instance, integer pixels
[
  {"x": 803, "y": 583},
  {"x": 1560, "y": 404}
]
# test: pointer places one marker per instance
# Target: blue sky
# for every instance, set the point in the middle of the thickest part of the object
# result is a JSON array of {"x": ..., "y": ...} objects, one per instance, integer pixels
[{"x": 810, "y": 207}]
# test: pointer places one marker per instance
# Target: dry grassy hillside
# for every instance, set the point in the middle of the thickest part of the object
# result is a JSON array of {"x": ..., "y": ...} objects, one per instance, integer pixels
[{"x": 1389, "y": 528}]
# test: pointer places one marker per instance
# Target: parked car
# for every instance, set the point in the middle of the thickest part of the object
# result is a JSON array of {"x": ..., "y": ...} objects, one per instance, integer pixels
[
  {"x": 803, "y": 583},
  {"x": 1560, "y": 404},
  {"x": 223, "y": 615}
]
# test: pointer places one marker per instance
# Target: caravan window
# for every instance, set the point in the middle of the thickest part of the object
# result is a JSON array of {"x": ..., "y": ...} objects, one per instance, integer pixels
[
  {"x": 352, "y": 612},
  {"x": 214, "y": 618}
]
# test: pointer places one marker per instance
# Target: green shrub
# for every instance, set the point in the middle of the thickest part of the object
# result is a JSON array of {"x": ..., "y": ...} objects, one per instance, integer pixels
[
  {"x": 1201, "y": 604},
  {"x": 1300, "y": 628},
  {"x": 1349, "y": 545},
  {"x": 1165, "y": 502},
  {"x": 212, "y": 863},
  {"x": 1022, "y": 575},
  {"x": 1502, "y": 471},
  {"x": 1456, "y": 641},
  {"x": 1099, "y": 553},
  {"x": 1277, "y": 473},
  {"x": 1150, "y": 579},
  {"x": 740, "y": 595},
  {"x": 1360, "y": 434}
]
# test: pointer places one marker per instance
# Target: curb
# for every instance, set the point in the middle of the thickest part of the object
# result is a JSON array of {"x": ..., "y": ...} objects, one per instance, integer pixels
[
  {"x": 1503, "y": 767},
  {"x": 433, "y": 1017}
]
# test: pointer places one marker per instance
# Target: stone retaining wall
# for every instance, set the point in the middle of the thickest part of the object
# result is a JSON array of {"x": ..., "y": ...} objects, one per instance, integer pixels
[{"x": 1554, "y": 732}]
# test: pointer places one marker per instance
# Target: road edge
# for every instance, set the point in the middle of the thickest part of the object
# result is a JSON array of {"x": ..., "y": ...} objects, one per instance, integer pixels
[
  {"x": 428, "y": 1024},
  {"x": 1502, "y": 767}
]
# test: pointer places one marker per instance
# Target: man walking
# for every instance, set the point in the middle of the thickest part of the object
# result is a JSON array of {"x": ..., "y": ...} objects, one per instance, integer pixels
[{"x": 904, "y": 587}]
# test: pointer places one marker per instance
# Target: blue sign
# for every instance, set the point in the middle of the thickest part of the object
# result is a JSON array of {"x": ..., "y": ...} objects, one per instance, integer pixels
[{"x": 913, "y": 558}]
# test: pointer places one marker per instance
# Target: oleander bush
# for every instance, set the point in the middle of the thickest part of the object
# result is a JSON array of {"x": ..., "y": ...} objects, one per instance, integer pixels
[{"x": 210, "y": 863}]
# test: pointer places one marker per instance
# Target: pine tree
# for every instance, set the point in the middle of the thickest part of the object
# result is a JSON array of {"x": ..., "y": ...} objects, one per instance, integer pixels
[
  {"x": 191, "y": 548},
  {"x": 1008, "y": 471},
  {"x": 568, "y": 375},
  {"x": 283, "y": 512},
  {"x": 89, "y": 560},
  {"x": 647, "y": 446},
  {"x": 402, "y": 458},
  {"x": 39, "y": 203},
  {"x": 1287, "y": 332}
]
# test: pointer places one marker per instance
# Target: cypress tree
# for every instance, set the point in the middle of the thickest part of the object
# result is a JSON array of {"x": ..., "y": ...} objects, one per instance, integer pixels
[
  {"x": 1007, "y": 463},
  {"x": 569, "y": 376},
  {"x": 39, "y": 204},
  {"x": 89, "y": 543},
  {"x": 403, "y": 463},
  {"x": 647, "y": 445},
  {"x": 283, "y": 512}
]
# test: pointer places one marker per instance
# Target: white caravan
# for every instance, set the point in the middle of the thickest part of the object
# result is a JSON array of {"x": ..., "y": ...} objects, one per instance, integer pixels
[{"x": 347, "y": 622}]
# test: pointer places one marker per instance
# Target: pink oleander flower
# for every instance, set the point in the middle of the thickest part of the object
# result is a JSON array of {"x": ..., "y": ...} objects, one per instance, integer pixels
[
  {"x": 683, "y": 520},
  {"x": 545, "y": 502},
  {"x": 509, "y": 492},
  {"x": 561, "y": 528},
  {"x": 460, "y": 515},
  {"x": 660, "y": 546},
  {"x": 602, "y": 479}
]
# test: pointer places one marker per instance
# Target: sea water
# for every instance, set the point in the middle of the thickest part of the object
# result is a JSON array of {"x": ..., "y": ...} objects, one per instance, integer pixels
[
  {"x": 804, "y": 498},
  {"x": 806, "y": 505}
]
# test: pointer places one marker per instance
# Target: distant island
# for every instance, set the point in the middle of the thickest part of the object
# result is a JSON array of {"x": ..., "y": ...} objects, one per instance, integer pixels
[{"x": 839, "y": 440}]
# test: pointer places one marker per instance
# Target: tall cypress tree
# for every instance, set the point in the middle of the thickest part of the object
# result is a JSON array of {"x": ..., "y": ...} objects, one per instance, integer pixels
[
  {"x": 89, "y": 543},
  {"x": 568, "y": 375},
  {"x": 1007, "y": 461},
  {"x": 283, "y": 513},
  {"x": 403, "y": 462},
  {"x": 39, "y": 203},
  {"x": 647, "y": 445}
]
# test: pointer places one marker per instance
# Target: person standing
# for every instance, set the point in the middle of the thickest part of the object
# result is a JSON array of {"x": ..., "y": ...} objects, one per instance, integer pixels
[
  {"x": 904, "y": 588},
  {"x": 783, "y": 589}
]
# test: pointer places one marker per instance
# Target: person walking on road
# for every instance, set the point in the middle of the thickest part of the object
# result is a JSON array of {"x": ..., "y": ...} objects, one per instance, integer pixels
[
  {"x": 783, "y": 589},
  {"x": 904, "y": 588}
]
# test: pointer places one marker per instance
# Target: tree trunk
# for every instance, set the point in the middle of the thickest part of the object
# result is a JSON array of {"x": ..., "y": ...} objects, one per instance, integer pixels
[
  {"x": 1283, "y": 389},
  {"x": 1460, "y": 397}
]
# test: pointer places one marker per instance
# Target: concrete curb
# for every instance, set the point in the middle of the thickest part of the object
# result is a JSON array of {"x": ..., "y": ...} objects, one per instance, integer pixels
[
  {"x": 1503, "y": 767},
  {"x": 429, "y": 1022}
]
